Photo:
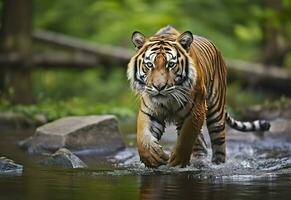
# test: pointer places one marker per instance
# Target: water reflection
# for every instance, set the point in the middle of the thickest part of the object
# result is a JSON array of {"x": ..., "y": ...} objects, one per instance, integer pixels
[
  {"x": 188, "y": 187},
  {"x": 256, "y": 169}
]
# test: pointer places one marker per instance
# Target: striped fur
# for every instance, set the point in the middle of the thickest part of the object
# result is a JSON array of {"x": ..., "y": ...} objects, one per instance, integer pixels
[
  {"x": 181, "y": 78},
  {"x": 258, "y": 125}
]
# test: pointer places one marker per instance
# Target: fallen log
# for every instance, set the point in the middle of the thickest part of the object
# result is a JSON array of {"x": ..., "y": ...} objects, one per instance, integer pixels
[
  {"x": 274, "y": 79},
  {"x": 106, "y": 54}
]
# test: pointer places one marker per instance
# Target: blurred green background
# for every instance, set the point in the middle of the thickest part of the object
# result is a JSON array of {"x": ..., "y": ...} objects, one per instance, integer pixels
[{"x": 242, "y": 29}]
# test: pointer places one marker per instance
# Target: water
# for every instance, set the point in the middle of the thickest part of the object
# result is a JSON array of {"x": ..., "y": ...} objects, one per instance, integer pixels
[{"x": 256, "y": 169}]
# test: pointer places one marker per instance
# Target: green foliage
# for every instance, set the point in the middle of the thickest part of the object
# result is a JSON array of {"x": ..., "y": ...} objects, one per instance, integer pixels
[
  {"x": 99, "y": 84},
  {"x": 61, "y": 92},
  {"x": 76, "y": 106},
  {"x": 236, "y": 27},
  {"x": 113, "y": 21}
]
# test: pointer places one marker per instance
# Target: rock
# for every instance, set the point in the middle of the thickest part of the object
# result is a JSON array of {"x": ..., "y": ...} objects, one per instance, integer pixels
[
  {"x": 82, "y": 134},
  {"x": 9, "y": 167},
  {"x": 64, "y": 158}
]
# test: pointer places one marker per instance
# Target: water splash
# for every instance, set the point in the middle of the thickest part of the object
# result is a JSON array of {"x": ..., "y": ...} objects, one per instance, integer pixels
[{"x": 247, "y": 159}]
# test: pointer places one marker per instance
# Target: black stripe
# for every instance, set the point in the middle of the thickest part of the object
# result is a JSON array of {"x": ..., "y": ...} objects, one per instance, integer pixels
[
  {"x": 217, "y": 129},
  {"x": 155, "y": 133},
  {"x": 213, "y": 103},
  {"x": 253, "y": 126},
  {"x": 243, "y": 127},
  {"x": 210, "y": 88},
  {"x": 178, "y": 53},
  {"x": 176, "y": 70},
  {"x": 179, "y": 125},
  {"x": 184, "y": 66},
  {"x": 211, "y": 112},
  {"x": 187, "y": 66},
  {"x": 156, "y": 48},
  {"x": 153, "y": 118},
  {"x": 182, "y": 62},
  {"x": 135, "y": 74},
  {"x": 145, "y": 104},
  {"x": 218, "y": 141},
  {"x": 157, "y": 127},
  {"x": 198, "y": 149},
  {"x": 217, "y": 119}
]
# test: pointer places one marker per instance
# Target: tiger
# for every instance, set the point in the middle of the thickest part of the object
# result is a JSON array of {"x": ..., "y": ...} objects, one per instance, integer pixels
[{"x": 181, "y": 79}]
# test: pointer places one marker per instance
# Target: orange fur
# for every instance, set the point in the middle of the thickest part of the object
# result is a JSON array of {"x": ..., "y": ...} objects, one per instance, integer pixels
[{"x": 181, "y": 79}]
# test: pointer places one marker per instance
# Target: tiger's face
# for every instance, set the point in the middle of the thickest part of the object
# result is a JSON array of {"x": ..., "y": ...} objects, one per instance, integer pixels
[{"x": 162, "y": 69}]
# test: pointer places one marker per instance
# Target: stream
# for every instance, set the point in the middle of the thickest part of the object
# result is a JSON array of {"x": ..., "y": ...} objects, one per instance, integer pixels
[{"x": 256, "y": 168}]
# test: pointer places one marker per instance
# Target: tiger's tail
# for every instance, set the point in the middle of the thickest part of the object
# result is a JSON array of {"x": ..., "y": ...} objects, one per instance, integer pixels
[{"x": 257, "y": 125}]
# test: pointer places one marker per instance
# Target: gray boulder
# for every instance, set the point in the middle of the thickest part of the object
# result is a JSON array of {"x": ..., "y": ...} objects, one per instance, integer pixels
[
  {"x": 80, "y": 134},
  {"x": 64, "y": 158},
  {"x": 8, "y": 166}
]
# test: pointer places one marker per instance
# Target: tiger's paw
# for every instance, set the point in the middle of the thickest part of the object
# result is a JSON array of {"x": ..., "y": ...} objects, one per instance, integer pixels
[
  {"x": 179, "y": 159},
  {"x": 199, "y": 154},
  {"x": 153, "y": 155},
  {"x": 218, "y": 160}
]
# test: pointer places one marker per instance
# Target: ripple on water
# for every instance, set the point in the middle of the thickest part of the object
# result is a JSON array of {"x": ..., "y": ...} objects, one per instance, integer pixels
[{"x": 246, "y": 159}]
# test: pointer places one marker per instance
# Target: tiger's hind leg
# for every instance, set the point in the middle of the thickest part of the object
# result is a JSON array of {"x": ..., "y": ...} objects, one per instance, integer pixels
[
  {"x": 216, "y": 129},
  {"x": 215, "y": 120},
  {"x": 200, "y": 147}
]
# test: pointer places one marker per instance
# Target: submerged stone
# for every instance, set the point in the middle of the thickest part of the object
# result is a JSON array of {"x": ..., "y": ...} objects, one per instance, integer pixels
[
  {"x": 8, "y": 166},
  {"x": 64, "y": 158},
  {"x": 83, "y": 134}
]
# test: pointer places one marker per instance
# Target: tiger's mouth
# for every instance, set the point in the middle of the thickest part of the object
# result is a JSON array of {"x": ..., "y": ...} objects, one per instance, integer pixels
[
  {"x": 153, "y": 92},
  {"x": 160, "y": 99},
  {"x": 159, "y": 96}
]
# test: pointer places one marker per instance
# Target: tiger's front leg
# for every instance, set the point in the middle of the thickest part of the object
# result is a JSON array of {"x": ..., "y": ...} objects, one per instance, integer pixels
[
  {"x": 187, "y": 135},
  {"x": 149, "y": 132}
]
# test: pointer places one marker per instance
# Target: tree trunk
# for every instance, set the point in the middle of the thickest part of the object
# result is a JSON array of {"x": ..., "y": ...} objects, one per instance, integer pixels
[{"x": 16, "y": 40}]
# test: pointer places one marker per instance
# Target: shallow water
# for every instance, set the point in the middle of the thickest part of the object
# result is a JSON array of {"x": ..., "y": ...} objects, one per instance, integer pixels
[{"x": 257, "y": 168}]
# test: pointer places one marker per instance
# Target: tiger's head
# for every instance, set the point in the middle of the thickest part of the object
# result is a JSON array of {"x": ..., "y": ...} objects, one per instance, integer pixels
[{"x": 162, "y": 68}]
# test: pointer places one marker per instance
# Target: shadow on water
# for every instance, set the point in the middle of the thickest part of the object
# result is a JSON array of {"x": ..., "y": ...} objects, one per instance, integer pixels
[{"x": 256, "y": 169}]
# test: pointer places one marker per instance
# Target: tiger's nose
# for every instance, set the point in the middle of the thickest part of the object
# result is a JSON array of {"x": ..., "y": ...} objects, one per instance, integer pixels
[{"x": 159, "y": 87}]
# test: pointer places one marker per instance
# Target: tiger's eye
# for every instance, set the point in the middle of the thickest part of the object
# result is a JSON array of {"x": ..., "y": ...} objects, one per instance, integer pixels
[
  {"x": 171, "y": 64},
  {"x": 149, "y": 65}
]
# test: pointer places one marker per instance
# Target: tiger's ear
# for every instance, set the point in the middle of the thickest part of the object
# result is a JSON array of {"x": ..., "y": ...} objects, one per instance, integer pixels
[
  {"x": 138, "y": 39},
  {"x": 185, "y": 39}
]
